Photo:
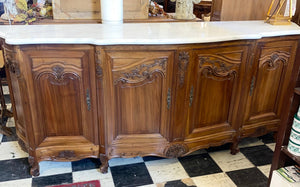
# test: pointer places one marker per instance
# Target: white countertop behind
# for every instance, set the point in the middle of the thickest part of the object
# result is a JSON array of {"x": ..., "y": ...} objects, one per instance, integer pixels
[{"x": 143, "y": 33}]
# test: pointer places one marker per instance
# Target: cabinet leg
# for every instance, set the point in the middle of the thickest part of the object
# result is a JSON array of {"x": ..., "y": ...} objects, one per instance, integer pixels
[
  {"x": 104, "y": 163},
  {"x": 35, "y": 168},
  {"x": 235, "y": 148}
]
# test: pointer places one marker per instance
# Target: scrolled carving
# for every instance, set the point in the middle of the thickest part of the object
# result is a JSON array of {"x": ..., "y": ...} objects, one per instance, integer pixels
[
  {"x": 142, "y": 72},
  {"x": 184, "y": 59},
  {"x": 66, "y": 154},
  {"x": 11, "y": 62},
  {"x": 273, "y": 59},
  {"x": 216, "y": 68},
  {"x": 99, "y": 70},
  {"x": 175, "y": 150},
  {"x": 58, "y": 76}
]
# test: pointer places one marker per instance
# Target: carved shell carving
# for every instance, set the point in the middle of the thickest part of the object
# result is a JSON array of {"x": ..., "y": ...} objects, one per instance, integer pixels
[
  {"x": 175, "y": 150},
  {"x": 142, "y": 72},
  {"x": 184, "y": 59},
  {"x": 215, "y": 67},
  {"x": 274, "y": 59},
  {"x": 58, "y": 72}
]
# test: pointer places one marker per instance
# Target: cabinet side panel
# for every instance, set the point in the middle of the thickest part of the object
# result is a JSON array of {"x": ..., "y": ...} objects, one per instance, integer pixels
[{"x": 19, "y": 115}]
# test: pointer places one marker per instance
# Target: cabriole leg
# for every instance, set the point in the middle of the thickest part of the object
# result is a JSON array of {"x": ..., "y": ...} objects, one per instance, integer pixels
[
  {"x": 104, "y": 163},
  {"x": 35, "y": 168}
]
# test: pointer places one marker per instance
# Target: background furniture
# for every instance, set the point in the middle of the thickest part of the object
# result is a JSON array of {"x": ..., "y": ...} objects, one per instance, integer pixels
[
  {"x": 234, "y": 10},
  {"x": 4, "y": 113},
  {"x": 296, "y": 17},
  {"x": 204, "y": 7}
]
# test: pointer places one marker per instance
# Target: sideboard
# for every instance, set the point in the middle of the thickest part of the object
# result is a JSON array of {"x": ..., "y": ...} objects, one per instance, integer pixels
[{"x": 162, "y": 89}]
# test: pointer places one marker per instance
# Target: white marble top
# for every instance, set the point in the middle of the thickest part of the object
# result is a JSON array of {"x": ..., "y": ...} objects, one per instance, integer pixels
[{"x": 143, "y": 33}]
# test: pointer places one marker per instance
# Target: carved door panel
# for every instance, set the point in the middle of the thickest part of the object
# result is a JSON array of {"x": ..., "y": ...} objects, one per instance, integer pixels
[
  {"x": 65, "y": 98},
  {"x": 268, "y": 82},
  {"x": 138, "y": 92},
  {"x": 214, "y": 93}
]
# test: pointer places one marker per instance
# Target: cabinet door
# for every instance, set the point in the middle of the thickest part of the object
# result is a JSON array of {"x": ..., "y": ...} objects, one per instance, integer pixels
[
  {"x": 62, "y": 99},
  {"x": 267, "y": 85},
  {"x": 137, "y": 96},
  {"x": 214, "y": 94}
]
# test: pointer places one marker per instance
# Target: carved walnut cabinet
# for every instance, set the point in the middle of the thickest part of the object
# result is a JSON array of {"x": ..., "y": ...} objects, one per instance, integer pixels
[{"x": 77, "y": 101}]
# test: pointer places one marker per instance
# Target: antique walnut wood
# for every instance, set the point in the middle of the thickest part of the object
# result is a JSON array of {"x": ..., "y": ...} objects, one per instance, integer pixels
[{"x": 77, "y": 101}]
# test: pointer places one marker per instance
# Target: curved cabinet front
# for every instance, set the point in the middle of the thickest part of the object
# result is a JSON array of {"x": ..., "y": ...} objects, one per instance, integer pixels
[{"x": 78, "y": 101}]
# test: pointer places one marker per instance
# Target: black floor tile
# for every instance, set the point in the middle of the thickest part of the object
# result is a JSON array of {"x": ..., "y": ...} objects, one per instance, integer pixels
[
  {"x": 151, "y": 158},
  {"x": 177, "y": 183},
  {"x": 258, "y": 155},
  {"x": 268, "y": 138},
  {"x": 251, "y": 177},
  {"x": 65, "y": 178},
  {"x": 197, "y": 165},
  {"x": 14, "y": 169},
  {"x": 131, "y": 175},
  {"x": 219, "y": 148},
  {"x": 88, "y": 163},
  {"x": 11, "y": 138},
  {"x": 7, "y": 99}
]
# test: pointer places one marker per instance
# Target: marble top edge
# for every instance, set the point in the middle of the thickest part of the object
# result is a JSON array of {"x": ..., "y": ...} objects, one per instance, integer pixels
[{"x": 143, "y": 33}]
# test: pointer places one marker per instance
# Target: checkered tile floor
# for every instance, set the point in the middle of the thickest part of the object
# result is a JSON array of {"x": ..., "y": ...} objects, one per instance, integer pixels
[{"x": 211, "y": 167}]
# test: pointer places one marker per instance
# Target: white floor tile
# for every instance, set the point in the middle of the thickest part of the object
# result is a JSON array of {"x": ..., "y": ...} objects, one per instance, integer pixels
[
  {"x": 229, "y": 162},
  {"x": 166, "y": 170},
  {"x": 53, "y": 168},
  {"x": 5, "y": 90},
  {"x": 124, "y": 161},
  {"x": 8, "y": 106},
  {"x": 10, "y": 122},
  {"x": 248, "y": 142},
  {"x": 11, "y": 150},
  {"x": 149, "y": 185},
  {"x": 219, "y": 179},
  {"x": 271, "y": 146},
  {"x": 265, "y": 169},
  {"x": 106, "y": 179},
  {"x": 17, "y": 183}
]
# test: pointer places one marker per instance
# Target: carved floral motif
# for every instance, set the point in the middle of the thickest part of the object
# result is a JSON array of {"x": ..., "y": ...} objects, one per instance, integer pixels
[
  {"x": 183, "y": 63},
  {"x": 99, "y": 70},
  {"x": 142, "y": 72}
]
